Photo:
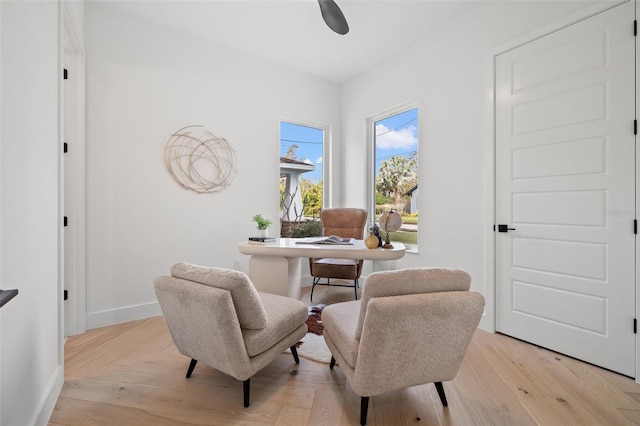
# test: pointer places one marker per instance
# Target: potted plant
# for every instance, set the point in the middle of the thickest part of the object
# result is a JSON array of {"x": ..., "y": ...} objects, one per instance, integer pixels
[{"x": 263, "y": 224}]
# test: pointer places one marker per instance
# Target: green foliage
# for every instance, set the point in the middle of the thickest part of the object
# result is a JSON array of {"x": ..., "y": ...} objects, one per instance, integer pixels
[
  {"x": 411, "y": 218},
  {"x": 311, "y": 197},
  {"x": 311, "y": 194},
  {"x": 261, "y": 221},
  {"x": 403, "y": 237},
  {"x": 383, "y": 199},
  {"x": 311, "y": 228}
]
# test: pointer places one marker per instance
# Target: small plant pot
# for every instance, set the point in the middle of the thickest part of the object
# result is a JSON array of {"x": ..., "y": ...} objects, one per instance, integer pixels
[{"x": 262, "y": 233}]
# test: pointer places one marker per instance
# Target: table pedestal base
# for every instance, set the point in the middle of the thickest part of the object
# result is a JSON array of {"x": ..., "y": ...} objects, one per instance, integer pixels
[{"x": 277, "y": 275}]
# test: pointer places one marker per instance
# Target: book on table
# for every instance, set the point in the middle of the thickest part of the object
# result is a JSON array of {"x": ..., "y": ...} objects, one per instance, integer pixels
[
  {"x": 332, "y": 239},
  {"x": 261, "y": 240}
]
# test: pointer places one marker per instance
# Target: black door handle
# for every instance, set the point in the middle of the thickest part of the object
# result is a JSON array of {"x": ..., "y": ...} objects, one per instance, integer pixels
[{"x": 505, "y": 228}]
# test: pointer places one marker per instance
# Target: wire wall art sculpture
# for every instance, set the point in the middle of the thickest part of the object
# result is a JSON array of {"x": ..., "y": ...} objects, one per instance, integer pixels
[{"x": 199, "y": 161}]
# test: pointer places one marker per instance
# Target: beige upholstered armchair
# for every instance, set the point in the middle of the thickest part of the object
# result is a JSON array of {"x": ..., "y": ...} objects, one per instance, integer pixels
[
  {"x": 217, "y": 317},
  {"x": 411, "y": 327},
  {"x": 343, "y": 222}
]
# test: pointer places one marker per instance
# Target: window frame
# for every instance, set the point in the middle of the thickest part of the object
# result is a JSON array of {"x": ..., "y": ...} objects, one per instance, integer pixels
[
  {"x": 371, "y": 158},
  {"x": 326, "y": 146}
]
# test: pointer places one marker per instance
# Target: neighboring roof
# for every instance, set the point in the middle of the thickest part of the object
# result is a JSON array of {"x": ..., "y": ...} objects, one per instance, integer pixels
[
  {"x": 288, "y": 165},
  {"x": 291, "y": 161},
  {"x": 410, "y": 192}
]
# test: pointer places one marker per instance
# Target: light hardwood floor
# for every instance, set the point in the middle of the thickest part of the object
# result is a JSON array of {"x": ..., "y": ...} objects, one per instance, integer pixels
[{"x": 132, "y": 374}]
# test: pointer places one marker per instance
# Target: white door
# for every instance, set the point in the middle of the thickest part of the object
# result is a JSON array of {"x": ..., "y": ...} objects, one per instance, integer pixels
[{"x": 565, "y": 173}]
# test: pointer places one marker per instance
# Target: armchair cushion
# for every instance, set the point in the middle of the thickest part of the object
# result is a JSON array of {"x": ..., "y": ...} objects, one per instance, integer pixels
[
  {"x": 251, "y": 313},
  {"x": 208, "y": 307},
  {"x": 340, "y": 322},
  {"x": 283, "y": 315}
]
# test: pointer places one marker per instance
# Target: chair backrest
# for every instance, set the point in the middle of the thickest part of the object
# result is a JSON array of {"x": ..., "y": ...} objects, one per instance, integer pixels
[
  {"x": 344, "y": 222},
  {"x": 246, "y": 300},
  {"x": 410, "y": 281},
  {"x": 416, "y": 325},
  {"x": 203, "y": 323}
]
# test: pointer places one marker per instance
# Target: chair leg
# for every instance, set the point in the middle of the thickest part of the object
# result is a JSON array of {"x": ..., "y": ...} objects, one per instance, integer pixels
[
  {"x": 332, "y": 363},
  {"x": 245, "y": 391},
  {"x": 294, "y": 352},
  {"x": 355, "y": 288},
  {"x": 313, "y": 285},
  {"x": 364, "y": 407},
  {"x": 192, "y": 365},
  {"x": 443, "y": 397}
]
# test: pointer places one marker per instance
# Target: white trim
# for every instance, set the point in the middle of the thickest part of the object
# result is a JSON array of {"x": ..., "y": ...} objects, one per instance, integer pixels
[
  {"x": 327, "y": 163},
  {"x": 120, "y": 315},
  {"x": 489, "y": 318},
  {"x": 71, "y": 37},
  {"x": 371, "y": 154},
  {"x": 45, "y": 408},
  {"x": 637, "y": 217},
  {"x": 75, "y": 277},
  {"x": 60, "y": 235}
]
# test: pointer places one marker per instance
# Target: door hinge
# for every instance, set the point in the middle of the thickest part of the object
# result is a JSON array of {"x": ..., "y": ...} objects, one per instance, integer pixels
[
  {"x": 635, "y": 127},
  {"x": 65, "y": 221},
  {"x": 635, "y": 326},
  {"x": 65, "y": 74},
  {"x": 66, "y": 295},
  {"x": 65, "y": 147},
  {"x": 635, "y": 226},
  {"x": 635, "y": 27}
]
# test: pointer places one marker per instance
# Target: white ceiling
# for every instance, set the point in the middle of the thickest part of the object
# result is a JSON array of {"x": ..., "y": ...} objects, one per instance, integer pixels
[{"x": 292, "y": 32}]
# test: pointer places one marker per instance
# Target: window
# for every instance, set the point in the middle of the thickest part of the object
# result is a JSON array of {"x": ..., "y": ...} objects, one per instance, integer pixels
[
  {"x": 395, "y": 171},
  {"x": 301, "y": 179}
]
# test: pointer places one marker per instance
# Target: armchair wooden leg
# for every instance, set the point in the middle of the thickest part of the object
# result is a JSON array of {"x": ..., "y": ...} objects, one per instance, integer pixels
[
  {"x": 294, "y": 352},
  {"x": 443, "y": 397},
  {"x": 364, "y": 407},
  {"x": 192, "y": 365},
  {"x": 332, "y": 363},
  {"x": 245, "y": 390},
  {"x": 355, "y": 288}
]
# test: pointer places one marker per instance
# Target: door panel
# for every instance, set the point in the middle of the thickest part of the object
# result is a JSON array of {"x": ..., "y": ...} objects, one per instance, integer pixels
[{"x": 565, "y": 173}]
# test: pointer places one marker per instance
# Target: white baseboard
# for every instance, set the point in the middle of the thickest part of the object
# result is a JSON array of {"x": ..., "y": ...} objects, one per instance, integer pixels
[
  {"x": 120, "y": 315},
  {"x": 48, "y": 402}
]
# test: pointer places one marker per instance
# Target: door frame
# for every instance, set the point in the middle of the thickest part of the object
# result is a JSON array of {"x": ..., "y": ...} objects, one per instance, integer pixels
[
  {"x": 488, "y": 321},
  {"x": 74, "y": 278}
]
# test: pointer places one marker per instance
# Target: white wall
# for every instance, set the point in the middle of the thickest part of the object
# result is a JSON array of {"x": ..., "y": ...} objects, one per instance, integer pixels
[
  {"x": 30, "y": 324},
  {"x": 143, "y": 83},
  {"x": 446, "y": 74}
]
